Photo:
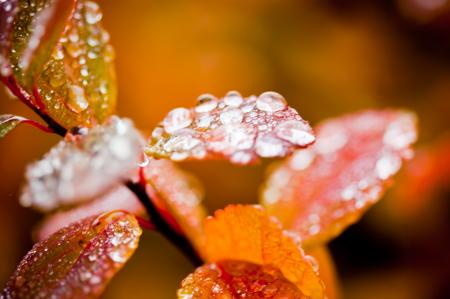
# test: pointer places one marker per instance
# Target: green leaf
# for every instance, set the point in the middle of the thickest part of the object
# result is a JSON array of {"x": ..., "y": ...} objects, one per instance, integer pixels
[
  {"x": 78, "y": 261},
  {"x": 8, "y": 123},
  {"x": 60, "y": 54}
]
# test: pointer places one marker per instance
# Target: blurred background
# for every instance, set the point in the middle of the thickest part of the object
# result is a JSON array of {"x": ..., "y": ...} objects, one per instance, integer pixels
[{"x": 327, "y": 58}]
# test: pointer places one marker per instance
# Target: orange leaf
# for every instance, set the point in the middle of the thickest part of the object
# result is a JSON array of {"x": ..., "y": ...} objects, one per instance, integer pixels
[
  {"x": 78, "y": 261},
  {"x": 327, "y": 271},
  {"x": 179, "y": 194},
  {"x": 246, "y": 233},
  {"x": 237, "y": 279},
  {"x": 234, "y": 128},
  {"x": 320, "y": 191}
]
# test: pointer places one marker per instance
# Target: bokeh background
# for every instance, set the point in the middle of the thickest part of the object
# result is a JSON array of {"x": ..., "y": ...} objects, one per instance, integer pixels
[{"x": 327, "y": 58}]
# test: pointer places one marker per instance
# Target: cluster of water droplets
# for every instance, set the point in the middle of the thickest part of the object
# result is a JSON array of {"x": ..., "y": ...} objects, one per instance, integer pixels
[
  {"x": 350, "y": 162},
  {"x": 233, "y": 127},
  {"x": 237, "y": 279},
  {"x": 82, "y": 166},
  {"x": 8, "y": 10}
]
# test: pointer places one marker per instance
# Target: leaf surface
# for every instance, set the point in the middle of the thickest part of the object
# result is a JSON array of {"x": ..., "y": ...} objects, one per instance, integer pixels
[
  {"x": 238, "y": 279},
  {"x": 78, "y": 261},
  {"x": 8, "y": 123},
  {"x": 318, "y": 192},
  {"x": 233, "y": 128},
  {"x": 179, "y": 194},
  {"x": 247, "y": 233}
]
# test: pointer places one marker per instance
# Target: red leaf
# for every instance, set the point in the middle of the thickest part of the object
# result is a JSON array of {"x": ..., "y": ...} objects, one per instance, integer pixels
[
  {"x": 233, "y": 128},
  {"x": 237, "y": 279},
  {"x": 78, "y": 261},
  {"x": 322, "y": 190},
  {"x": 177, "y": 194}
]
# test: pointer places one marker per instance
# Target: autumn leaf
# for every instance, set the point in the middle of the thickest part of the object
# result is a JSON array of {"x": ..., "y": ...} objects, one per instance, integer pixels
[
  {"x": 327, "y": 271},
  {"x": 83, "y": 166},
  {"x": 234, "y": 128},
  {"x": 319, "y": 191},
  {"x": 58, "y": 52},
  {"x": 177, "y": 194},
  {"x": 237, "y": 279},
  {"x": 78, "y": 261},
  {"x": 248, "y": 234}
]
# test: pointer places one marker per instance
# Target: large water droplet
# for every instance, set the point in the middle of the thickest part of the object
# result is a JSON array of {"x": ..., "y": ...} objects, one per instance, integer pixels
[
  {"x": 271, "y": 102},
  {"x": 206, "y": 103},
  {"x": 231, "y": 116},
  {"x": 233, "y": 99},
  {"x": 92, "y": 13},
  {"x": 76, "y": 100},
  {"x": 268, "y": 147},
  {"x": 296, "y": 132},
  {"x": 387, "y": 166},
  {"x": 177, "y": 119}
]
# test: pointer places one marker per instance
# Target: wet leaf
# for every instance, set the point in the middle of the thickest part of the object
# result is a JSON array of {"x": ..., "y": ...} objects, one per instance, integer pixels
[
  {"x": 320, "y": 191},
  {"x": 247, "y": 233},
  {"x": 8, "y": 10},
  {"x": 237, "y": 279},
  {"x": 60, "y": 53},
  {"x": 83, "y": 166},
  {"x": 179, "y": 194},
  {"x": 8, "y": 123},
  {"x": 78, "y": 261},
  {"x": 234, "y": 128},
  {"x": 119, "y": 198}
]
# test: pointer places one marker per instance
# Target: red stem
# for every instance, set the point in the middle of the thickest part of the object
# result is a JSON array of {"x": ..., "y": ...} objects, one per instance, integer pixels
[{"x": 37, "y": 125}]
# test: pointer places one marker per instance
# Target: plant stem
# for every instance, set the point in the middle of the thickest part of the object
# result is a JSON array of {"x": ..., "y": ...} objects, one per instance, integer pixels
[
  {"x": 180, "y": 241},
  {"x": 25, "y": 98}
]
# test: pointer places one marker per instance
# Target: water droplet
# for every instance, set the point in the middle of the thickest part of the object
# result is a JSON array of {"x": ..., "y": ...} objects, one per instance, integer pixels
[
  {"x": 231, "y": 116},
  {"x": 116, "y": 256},
  {"x": 177, "y": 119},
  {"x": 268, "y": 147},
  {"x": 271, "y": 102},
  {"x": 296, "y": 132},
  {"x": 387, "y": 166},
  {"x": 181, "y": 143},
  {"x": 233, "y": 99},
  {"x": 206, "y": 103},
  {"x": 76, "y": 100},
  {"x": 204, "y": 121},
  {"x": 92, "y": 13},
  {"x": 302, "y": 159}
]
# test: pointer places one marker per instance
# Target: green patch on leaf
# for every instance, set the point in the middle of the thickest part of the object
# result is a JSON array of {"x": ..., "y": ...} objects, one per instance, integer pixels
[{"x": 8, "y": 123}]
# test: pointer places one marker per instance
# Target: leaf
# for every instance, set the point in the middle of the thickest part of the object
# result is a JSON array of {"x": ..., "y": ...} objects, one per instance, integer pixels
[
  {"x": 327, "y": 273},
  {"x": 49, "y": 25},
  {"x": 234, "y": 128},
  {"x": 179, "y": 194},
  {"x": 119, "y": 198},
  {"x": 84, "y": 166},
  {"x": 8, "y": 10},
  {"x": 78, "y": 261},
  {"x": 60, "y": 53},
  {"x": 8, "y": 123},
  {"x": 78, "y": 84},
  {"x": 318, "y": 192},
  {"x": 247, "y": 233},
  {"x": 237, "y": 279}
]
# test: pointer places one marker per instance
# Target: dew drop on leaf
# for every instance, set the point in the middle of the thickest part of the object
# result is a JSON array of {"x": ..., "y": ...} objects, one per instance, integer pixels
[{"x": 233, "y": 128}]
